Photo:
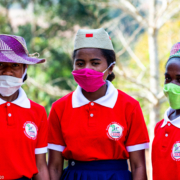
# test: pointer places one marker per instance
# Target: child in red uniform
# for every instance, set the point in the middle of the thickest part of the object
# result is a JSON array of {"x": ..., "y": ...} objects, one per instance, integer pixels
[
  {"x": 96, "y": 127},
  {"x": 23, "y": 123},
  {"x": 166, "y": 143}
]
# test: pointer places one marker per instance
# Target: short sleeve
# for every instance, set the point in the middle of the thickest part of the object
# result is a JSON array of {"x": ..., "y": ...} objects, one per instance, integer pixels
[
  {"x": 41, "y": 146},
  {"x": 55, "y": 138},
  {"x": 138, "y": 138}
]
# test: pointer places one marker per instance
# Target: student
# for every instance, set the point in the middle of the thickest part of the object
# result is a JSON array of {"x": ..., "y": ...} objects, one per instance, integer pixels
[
  {"x": 166, "y": 143},
  {"x": 23, "y": 123},
  {"x": 96, "y": 127}
]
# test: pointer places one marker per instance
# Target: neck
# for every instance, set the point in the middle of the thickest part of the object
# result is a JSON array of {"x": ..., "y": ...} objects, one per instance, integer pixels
[
  {"x": 10, "y": 98},
  {"x": 177, "y": 112},
  {"x": 174, "y": 115},
  {"x": 92, "y": 96}
]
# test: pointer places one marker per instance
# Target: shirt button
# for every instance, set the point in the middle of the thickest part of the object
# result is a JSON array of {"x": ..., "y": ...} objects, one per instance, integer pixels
[
  {"x": 92, "y": 104},
  {"x": 8, "y": 104},
  {"x": 166, "y": 135},
  {"x": 9, "y": 115},
  {"x": 72, "y": 163},
  {"x": 91, "y": 115},
  {"x": 169, "y": 124}
]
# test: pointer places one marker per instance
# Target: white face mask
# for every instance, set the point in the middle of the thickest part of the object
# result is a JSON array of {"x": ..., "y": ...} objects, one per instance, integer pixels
[{"x": 9, "y": 84}]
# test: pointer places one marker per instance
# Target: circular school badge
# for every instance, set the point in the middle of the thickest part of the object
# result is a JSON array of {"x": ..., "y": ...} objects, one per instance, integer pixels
[
  {"x": 114, "y": 131},
  {"x": 176, "y": 151},
  {"x": 30, "y": 130}
]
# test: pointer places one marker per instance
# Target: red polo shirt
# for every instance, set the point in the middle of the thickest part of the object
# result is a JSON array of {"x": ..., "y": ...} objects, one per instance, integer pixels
[
  {"x": 166, "y": 149},
  {"x": 23, "y": 134},
  {"x": 107, "y": 128}
]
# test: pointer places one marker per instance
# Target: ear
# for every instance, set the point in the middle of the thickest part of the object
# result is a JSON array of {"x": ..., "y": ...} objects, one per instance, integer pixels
[{"x": 110, "y": 69}]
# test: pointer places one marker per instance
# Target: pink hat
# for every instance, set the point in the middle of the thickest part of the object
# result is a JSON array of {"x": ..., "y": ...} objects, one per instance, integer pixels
[
  {"x": 175, "y": 50},
  {"x": 13, "y": 49}
]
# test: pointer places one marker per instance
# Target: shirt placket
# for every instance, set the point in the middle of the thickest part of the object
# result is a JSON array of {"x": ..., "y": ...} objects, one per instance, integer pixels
[
  {"x": 10, "y": 119},
  {"x": 167, "y": 136},
  {"x": 92, "y": 114}
]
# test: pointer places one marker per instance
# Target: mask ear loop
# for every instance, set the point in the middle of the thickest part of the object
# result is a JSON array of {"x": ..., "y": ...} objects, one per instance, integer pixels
[{"x": 109, "y": 66}]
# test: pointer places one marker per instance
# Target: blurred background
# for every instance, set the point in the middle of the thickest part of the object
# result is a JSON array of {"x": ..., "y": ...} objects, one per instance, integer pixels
[{"x": 142, "y": 32}]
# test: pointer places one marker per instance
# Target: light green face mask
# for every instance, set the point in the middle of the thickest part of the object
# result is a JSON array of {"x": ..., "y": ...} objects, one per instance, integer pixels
[{"x": 172, "y": 92}]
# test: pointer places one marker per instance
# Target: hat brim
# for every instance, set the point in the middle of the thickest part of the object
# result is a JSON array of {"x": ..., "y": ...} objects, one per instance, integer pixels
[
  {"x": 11, "y": 57},
  {"x": 174, "y": 56}
]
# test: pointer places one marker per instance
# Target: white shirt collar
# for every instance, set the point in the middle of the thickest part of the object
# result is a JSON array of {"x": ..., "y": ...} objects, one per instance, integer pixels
[
  {"x": 109, "y": 100},
  {"x": 175, "y": 122},
  {"x": 21, "y": 101}
]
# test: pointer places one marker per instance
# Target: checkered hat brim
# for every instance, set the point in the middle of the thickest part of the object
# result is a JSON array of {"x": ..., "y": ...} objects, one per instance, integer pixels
[{"x": 13, "y": 49}]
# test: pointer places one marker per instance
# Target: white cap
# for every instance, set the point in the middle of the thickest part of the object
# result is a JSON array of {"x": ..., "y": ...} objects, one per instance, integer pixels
[{"x": 93, "y": 38}]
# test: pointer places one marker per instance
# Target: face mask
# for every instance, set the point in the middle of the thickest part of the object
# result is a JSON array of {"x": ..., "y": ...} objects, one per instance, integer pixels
[
  {"x": 88, "y": 79},
  {"x": 172, "y": 92},
  {"x": 9, "y": 84}
]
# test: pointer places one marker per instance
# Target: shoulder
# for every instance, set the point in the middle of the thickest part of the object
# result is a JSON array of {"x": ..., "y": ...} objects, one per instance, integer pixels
[
  {"x": 158, "y": 125},
  {"x": 36, "y": 107},
  {"x": 62, "y": 101},
  {"x": 126, "y": 99}
]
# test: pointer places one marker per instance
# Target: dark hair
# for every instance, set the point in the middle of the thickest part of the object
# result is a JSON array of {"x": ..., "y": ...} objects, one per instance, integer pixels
[
  {"x": 110, "y": 57},
  {"x": 170, "y": 59},
  {"x": 25, "y": 77}
]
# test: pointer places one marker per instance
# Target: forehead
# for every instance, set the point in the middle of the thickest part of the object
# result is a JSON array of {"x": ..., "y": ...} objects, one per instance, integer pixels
[
  {"x": 173, "y": 65},
  {"x": 89, "y": 53}
]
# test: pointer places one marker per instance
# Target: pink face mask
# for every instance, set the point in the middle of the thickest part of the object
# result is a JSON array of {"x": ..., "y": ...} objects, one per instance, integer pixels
[{"x": 88, "y": 79}]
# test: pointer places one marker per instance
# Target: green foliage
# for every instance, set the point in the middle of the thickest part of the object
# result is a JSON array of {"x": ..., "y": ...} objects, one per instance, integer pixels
[{"x": 51, "y": 32}]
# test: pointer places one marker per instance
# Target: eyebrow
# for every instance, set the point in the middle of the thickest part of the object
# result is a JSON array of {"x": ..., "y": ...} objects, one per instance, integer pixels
[
  {"x": 79, "y": 60},
  {"x": 178, "y": 75},
  {"x": 95, "y": 59}
]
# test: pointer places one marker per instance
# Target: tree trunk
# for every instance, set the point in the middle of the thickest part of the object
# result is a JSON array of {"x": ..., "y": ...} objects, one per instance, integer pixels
[{"x": 154, "y": 73}]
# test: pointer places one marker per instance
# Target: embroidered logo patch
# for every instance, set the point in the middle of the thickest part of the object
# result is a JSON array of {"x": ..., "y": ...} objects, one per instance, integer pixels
[
  {"x": 114, "y": 131},
  {"x": 30, "y": 130},
  {"x": 176, "y": 151}
]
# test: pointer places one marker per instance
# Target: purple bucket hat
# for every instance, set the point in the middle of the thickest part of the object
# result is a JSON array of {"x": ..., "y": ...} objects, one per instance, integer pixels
[
  {"x": 175, "y": 50},
  {"x": 13, "y": 49}
]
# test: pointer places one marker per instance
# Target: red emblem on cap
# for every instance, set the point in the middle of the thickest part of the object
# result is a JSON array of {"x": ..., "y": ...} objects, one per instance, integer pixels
[{"x": 89, "y": 35}]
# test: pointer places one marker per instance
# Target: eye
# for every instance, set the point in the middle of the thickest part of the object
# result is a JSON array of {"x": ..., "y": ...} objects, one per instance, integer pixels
[
  {"x": 15, "y": 65},
  {"x": 178, "y": 79},
  {"x": 95, "y": 63},
  {"x": 1, "y": 65},
  {"x": 79, "y": 64},
  {"x": 168, "y": 79}
]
